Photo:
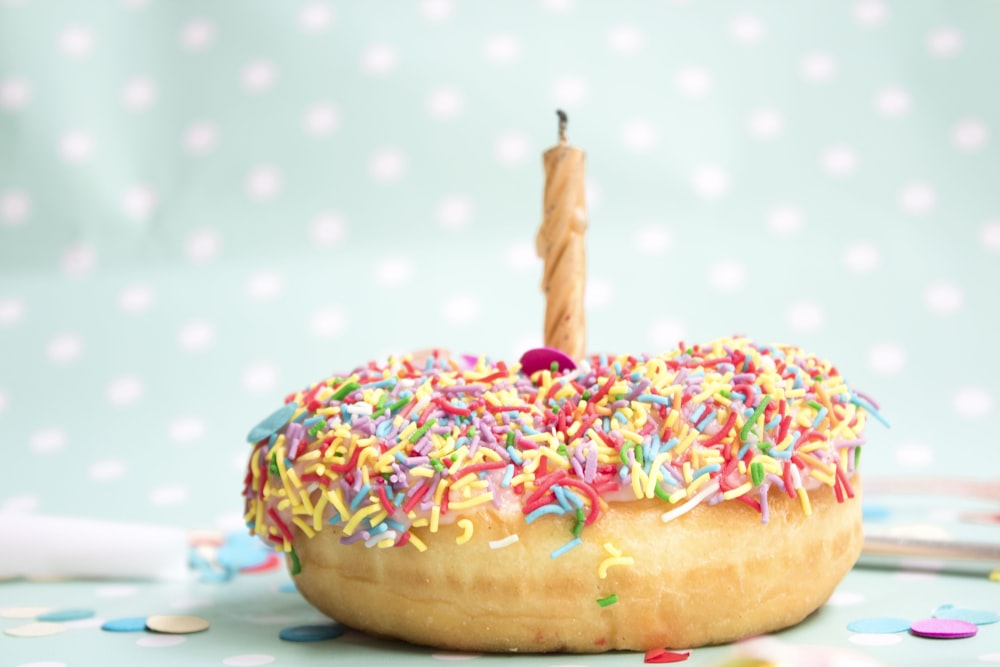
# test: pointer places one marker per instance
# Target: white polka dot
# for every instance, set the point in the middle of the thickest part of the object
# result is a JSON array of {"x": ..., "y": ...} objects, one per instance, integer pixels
[
  {"x": 328, "y": 229},
  {"x": 21, "y": 504},
  {"x": 805, "y": 316},
  {"x": 875, "y": 640},
  {"x": 76, "y": 41},
  {"x": 139, "y": 94},
  {"x": 200, "y": 138},
  {"x": 862, "y": 257},
  {"x": 184, "y": 430},
  {"x": 461, "y": 309},
  {"x": 693, "y": 81},
  {"x": 973, "y": 402},
  {"x": 263, "y": 183},
  {"x": 117, "y": 591},
  {"x": 558, "y": 6},
  {"x": 258, "y": 76},
  {"x": 870, "y": 13},
  {"x": 203, "y": 246},
  {"x": 445, "y": 103},
  {"x": 11, "y": 310},
  {"x": 521, "y": 256},
  {"x": 454, "y": 212},
  {"x": 597, "y": 293},
  {"x": 625, "y": 39},
  {"x": 887, "y": 358},
  {"x": 15, "y": 208},
  {"x": 248, "y": 660},
  {"x": 990, "y": 657},
  {"x": 639, "y": 135},
  {"x": 892, "y": 102},
  {"x": 160, "y": 641},
  {"x": 106, "y": 470},
  {"x": 260, "y": 378},
  {"x": 379, "y": 59},
  {"x": 135, "y": 298},
  {"x": 818, "y": 67},
  {"x": 139, "y": 202},
  {"x": 914, "y": 455},
  {"x": 917, "y": 198},
  {"x": 840, "y": 160},
  {"x": 14, "y": 93},
  {"x": 197, "y": 34},
  {"x": 315, "y": 17},
  {"x": 665, "y": 334},
  {"x": 766, "y": 123},
  {"x": 785, "y": 220},
  {"x": 48, "y": 440},
  {"x": 943, "y": 298},
  {"x": 970, "y": 135},
  {"x": 570, "y": 91},
  {"x": 163, "y": 496},
  {"x": 727, "y": 276},
  {"x": 78, "y": 260},
  {"x": 64, "y": 348},
  {"x": 387, "y": 165},
  {"x": 196, "y": 336},
  {"x": 502, "y": 49},
  {"x": 327, "y": 323},
  {"x": 511, "y": 148},
  {"x": 321, "y": 119},
  {"x": 124, "y": 391},
  {"x": 746, "y": 29},
  {"x": 393, "y": 271},
  {"x": 710, "y": 181},
  {"x": 436, "y": 10},
  {"x": 845, "y": 599},
  {"x": 76, "y": 146},
  {"x": 265, "y": 285},
  {"x": 652, "y": 239},
  {"x": 944, "y": 42},
  {"x": 990, "y": 235}
]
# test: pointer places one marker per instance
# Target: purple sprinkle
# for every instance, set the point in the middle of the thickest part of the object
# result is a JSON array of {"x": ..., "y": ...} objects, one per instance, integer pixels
[{"x": 943, "y": 628}]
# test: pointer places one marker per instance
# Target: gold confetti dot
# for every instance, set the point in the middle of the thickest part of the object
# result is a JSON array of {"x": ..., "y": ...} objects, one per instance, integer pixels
[
  {"x": 995, "y": 575},
  {"x": 176, "y": 625},
  {"x": 40, "y": 629}
]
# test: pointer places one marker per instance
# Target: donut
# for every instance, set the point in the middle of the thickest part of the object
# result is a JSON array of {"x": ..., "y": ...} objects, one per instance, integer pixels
[{"x": 689, "y": 498}]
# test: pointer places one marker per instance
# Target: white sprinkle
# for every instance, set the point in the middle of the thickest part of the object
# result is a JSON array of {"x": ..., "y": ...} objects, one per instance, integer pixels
[
  {"x": 505, "y": 542},
  {"x": 705, "y": 493}
]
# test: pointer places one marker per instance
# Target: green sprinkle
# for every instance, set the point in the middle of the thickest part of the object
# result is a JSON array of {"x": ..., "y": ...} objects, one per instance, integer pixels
[
  {"x": 586, "y": 394},
  {"x": 554, "y": 367},
  {"x": 273, "y": 468},
  {"x": 510, "y": 438},
  {"x": 610, "y": 600},
  {"x": 419, "y": 433},
  {"x": 578, "y": 526},
  {"x": 345, "y": 390},
  {"x": 660, "y": 493},
  {"x": 437, "y": 465},
  {"x": 562, "y": 450},
  {"x": 726, "y": 393},
  {"x": 757, "y": 472},
  {"x": 296, "y": 565},
  {"x": 745, "y": 431},
  {"x": 857, "y": 456},
  {"x": 472, "y": 432},
  {"x": 814, "y": 405}
]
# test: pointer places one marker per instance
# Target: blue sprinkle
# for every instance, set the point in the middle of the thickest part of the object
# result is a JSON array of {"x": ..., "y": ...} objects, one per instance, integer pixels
[
  {"x": 654, "y": 398},
  {"x": 743, "y": 450},
  {"x": 360, "y": 496},
  {"x": 561, "y": 497},
  {"x": 697, "y": 413},
  {"x": 508, "y": 474},
  {"x": 271, "y": 424},
  {"x": 673, "y": 442},
  {"x": 311, "y": 421},
  {"x": 879, "y": 626},
  {"x": 383, "y": 428},
  {"x": 704, "y": 470},
  {"x": 819, "y": 417},
  {"x": 125, "y": 624},
  {"x": 622, "y": 419},
  {"x": 66, "y": 615},
  {"x": 780, "y": 453},
  {"x": 551, "y": 508},
  {"x": 575, "y": 542},
  {"x": 706, "y": 421},
  {"x": 312, "y": 633},
  {"x": 515, "y": 456}
]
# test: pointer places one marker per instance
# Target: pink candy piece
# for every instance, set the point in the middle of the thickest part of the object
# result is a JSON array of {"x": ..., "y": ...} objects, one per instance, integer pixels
[
  {"x": 943, "y": 628},
  {"x": 541, "y": 358}
]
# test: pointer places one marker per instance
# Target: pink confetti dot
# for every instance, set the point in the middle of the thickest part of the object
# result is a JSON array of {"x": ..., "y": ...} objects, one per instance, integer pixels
[{"x": 943, "y": 628}]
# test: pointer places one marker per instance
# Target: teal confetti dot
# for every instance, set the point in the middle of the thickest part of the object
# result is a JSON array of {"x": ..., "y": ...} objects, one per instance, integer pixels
[
  {"x": 125, "y": 624},
  {"x": 241, "y": 550},
  {"x": 976, "y": 616},
  {"x": 272, "y": 423},
  {"x": 66, "y": 615},
  {"x": 312, "y": 633},
  {"x": 879, "y": 625}
]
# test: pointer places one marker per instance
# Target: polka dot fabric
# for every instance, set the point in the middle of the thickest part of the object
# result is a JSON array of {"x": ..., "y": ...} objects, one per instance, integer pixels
[{"x": 203, "y": 208}]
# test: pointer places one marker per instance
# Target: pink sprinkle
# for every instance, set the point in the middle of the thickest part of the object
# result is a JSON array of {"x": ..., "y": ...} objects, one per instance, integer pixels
[{"x": 943, "y": 628}]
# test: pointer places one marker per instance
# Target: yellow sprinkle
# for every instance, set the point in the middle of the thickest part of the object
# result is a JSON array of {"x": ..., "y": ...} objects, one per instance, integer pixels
[
  {"x": 318, "y": 511},
  {"x": 738, "y": 491},
  {"x": 467, "y": 528},
  {"x": 435, "y": 518},
  {"x": 303, "y": 526},
  {"x": 602, "y": 570},
  {"x": 638, "y": 477},
  {"x": 631, "y": 436},
  {"x": 385, "y": 544},
  {"x": 686, "y": 471},
  {"x": 306, "y": 502},
  {"x": 654, "y": 473},
  {"x": 829, "y": 480},
  {"x": 352, "y": 524},
  {"x": 472, "y": 502},
  {"x": 678, "y": 495},
  {"x": 612, "y": 549},
  {"x": 336, "y": 497},
  {"x": 804, "y": 499}
]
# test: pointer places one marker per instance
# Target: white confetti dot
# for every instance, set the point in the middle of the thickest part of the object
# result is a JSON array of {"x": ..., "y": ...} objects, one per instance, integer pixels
[
  {"x": 163, "y": 496},
  {"x": 196, "y": 336},
  {"x": 521, "y": 256},
  {"x": 944, "y": 42},
  {"x": 840, "y": 160},
  {"x": 78, "y": 260},
  {"x": 117, "y": 591},
  {"x": 64, "y": 348},
  {"x": 328, "y": 229},
  {"x": 321, "y": 119},
  {"x": 76, "y": 41},
  {"x": 15, "y": 208},
  {"x": 625, "y": 39},
  {"x": 914, "y": 455},
  {"x": 327, "y": 323},
  {"x": 862, "y": 257},
  {"x": 693, "y": 81},
  {"x": 943, "y": 298},
  {"x": 870, "y": 13},
  {"x": 766, "y": 123},
  {"x": 197, "y": 34},
  {"x": 818, "y": 67},
  {"x": 970, "y": 135},
  {"x": 436, "y": 10},
  {"x": 14, "y": 93},
  {"x": 502, "y": 49},
  {"x": 887, "y": 358},
  {"x": 315, "y": 17},
  {"x": 445, "y": 103},
  {"x": 892, "y": 102},
  {"x": 973, "y": 402},
  {"x": 785, "y": 220},
  {"x": 184, "y": 430},
  {"x": 393, "y": 271},
  {"x": 135, "y": 298},
  {"x": 454, "y": 212},
  {"x": 160, "y": 641},
  {"x": 569, "y": 91},
  {"x": 990, "y": 235},
  {"x": 710, "y": 181},
  {"x": 387, "y": 165},
  {"x": 845, "y": 599},
  {"x": 379, "y": 59},
  {"x": 258, "y": 76},
  {"x": 917, "y": 198},
  {"x": 48, "y": 440},
  {"x": 875, "y": 640},
  {"x": 106, "y": 470},
  {"x": 665, "y": 334},
  {"x": 260, "y": 377},
  {"x": 200, "y": 138},
  {"x": 124, "y": 391},
  {"x": 639, "y": 135},
  {"x": 597, "y": 293},
  {"x": 746, "y": 29},
  {"x": 805, "y": 316},
  {"x": 511, "y": 148},
  {"x": 138, "y": 94},
  {"x": 203, "y": 246},
  {"x": 139, "y": 202},
  {"x": 461, "y": 309},
  {"x": 727, "y": 276},
  {"x": 248, "y": 660},
  {"x": 21, "y": 504},
  {"x": 263, "y": 183},
  {"x": 652, "y": 239},
  {"x": 76, "y": 146},
  {"x": 265, "y": 285}
]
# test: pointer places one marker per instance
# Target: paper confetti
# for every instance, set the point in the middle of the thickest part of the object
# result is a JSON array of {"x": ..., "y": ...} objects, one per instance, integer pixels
[
  {"x": 176, "y": 625},
  {"x": 312, "y": 633},
  {"x": 943, "y": 628}
]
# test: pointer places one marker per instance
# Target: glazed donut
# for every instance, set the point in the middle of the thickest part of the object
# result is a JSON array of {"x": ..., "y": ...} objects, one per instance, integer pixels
[{"x": 689, "y": 498}]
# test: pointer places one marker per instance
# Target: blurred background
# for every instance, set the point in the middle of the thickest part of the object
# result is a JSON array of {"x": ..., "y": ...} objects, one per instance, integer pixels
[{"x": 207, "y": 205}]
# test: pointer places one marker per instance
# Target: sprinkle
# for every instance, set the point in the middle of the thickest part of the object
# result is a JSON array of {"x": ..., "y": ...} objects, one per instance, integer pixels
[
  {"x": 505, "y": 542},
  {"x": 572, "y": 544},
  {"x": 296, "y": 564},
  {"x": 466, "y": 526},
  {"x": 608, "y": 601},
  {"x": 709, "y": 490}
]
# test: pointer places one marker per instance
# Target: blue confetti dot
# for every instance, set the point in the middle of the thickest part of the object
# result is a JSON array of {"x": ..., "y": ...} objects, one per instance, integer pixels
[
  {"x": 272, "y": 423},
  {"x": 241, "y": 550},
  {"x": 879, "y": 626},
  {"x": 66, "y": 615},
  {"x": 976, "y": 616},
  {"x": 126, "y": 624},
  {"x": 312, "y": 633}
]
